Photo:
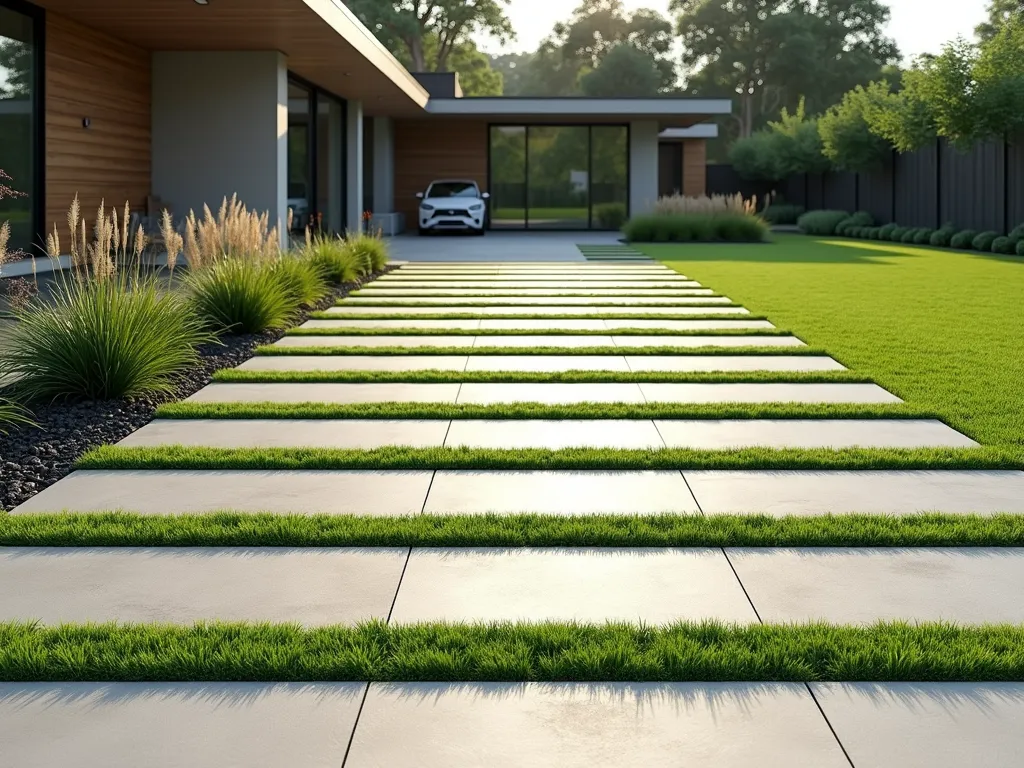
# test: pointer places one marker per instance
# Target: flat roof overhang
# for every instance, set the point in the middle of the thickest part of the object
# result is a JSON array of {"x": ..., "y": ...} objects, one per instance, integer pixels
[
  {"x": 324, "y": 41},
  {"x": 667, "y": 112}
]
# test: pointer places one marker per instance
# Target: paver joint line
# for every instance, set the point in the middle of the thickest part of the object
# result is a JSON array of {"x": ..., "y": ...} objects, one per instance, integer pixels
[{"x": 829, "y": 724}]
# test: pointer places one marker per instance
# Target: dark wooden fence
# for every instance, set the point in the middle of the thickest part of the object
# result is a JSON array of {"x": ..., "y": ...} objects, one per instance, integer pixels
[{"x": 980, "y": 189}]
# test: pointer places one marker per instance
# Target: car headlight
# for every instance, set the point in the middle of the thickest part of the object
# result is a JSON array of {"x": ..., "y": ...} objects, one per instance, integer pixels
[
  {"x": 477, "y": 207},
  {"x": 426, "y": 207}
]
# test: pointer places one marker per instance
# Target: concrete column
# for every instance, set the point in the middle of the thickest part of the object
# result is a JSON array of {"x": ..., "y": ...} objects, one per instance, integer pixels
[
  {"x": 643, "y": 166},
  {"x": 219, "y": 127},
  {"x": 383, "y": 165},
  {"x": 354, "y": 166}
]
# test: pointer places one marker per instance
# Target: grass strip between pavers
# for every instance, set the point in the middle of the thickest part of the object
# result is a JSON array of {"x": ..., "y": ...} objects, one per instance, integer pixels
[
  {"x": 505, "y": 411},
  {"x": 374, "y": 651},
  {"x": 239, "y": 529},
  {"x": 396, "y": 351},
  {"x": 408, "y": 458},
  {"x": 477, "y": 316},
  {"x": 399, "y": 331},
  {"x": 438, "y": 376}
]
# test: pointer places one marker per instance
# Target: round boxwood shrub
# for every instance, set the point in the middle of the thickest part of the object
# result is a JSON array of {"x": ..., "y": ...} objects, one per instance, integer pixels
[
  {"x": 923, "y": 236},
  {"x": 1020, "y": 247},
  {"x": 872, "y": 233},
  {"x": 886, "y": 230},
  {"x": 821, "y": 222},
  {"x": 909, "y": 235},
  {"x": 896, "y": 234},
  {"x": 941, "y": 237},
  {"x": 848, "y": 226},
  {"x": 963, "y": 239},
  {"x": 782, "y": 213},
  {"x": 984, "y": 240},
  {"x": 1003, "y": 245}
]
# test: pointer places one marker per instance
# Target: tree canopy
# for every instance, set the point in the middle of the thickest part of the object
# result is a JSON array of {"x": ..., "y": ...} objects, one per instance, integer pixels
[
  {"x": 999, "y": 12},
  {"x": 624, "y": 71}
]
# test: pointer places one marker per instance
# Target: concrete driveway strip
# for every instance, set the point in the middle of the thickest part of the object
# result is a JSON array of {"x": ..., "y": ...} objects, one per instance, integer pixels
[
  {"x": 552, "y": 307},
  {"x": 547, "y": 363},
  {"x": 697, "y": 363},
  {"x": 183, "y": 585},
  {"x": 343, "y": 324},
  {"x": 374, "y": 341},
  {"x": 177, "y": 725},
  {"x": 356, "y": 363},
  {"x": 553, "y": 435},
  {"x": 706, "y": 341},
  {"x": 931, "y": 725},
  {"x": 766, "y": 393},
  {"x": 879, "y": 492},
  {"x": 326, "y": 393},
  {"x": 862, "y": 586},
  {"x": 653, "y": 586},
  {"x": 693, "y": 297},
  {"x": 592, "y": 725},
  {"x": 180, "y": 492},
  {"x": 488, "y": 394}
]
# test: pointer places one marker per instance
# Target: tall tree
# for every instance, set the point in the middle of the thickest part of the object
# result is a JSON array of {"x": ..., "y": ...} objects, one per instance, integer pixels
[
  {"x": 624, "y": 71},
  {"x": 999, "y": 12},
  {"x": 406, "y": 26}
]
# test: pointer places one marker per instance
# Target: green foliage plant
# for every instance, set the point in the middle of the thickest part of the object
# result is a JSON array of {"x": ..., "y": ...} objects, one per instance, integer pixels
[
  {"x": 923, "y": 236},
  {"x": 610, "y": 215},
  {"x": 236, "y": 295},
  {"x": 847, "y": 139},
  {"x": 822, "y": 222},
  {"x": 1020, "y": 248},
  {"x": 695, "y": 227},
  {"x": 983, "y": 241},
  {"x": 1003, "y": 245},
  {"x": 856, "y": 220}
]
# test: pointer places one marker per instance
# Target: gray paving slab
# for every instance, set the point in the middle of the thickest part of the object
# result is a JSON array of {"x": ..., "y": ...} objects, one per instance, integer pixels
[
  {"x": 926, "y": 725},
  {"x": 810, "y": 433},
  {"x": 696, "y": 363},
  {"x": 355, "y": 363},
  {"x": 547, "y": 363},
  {"x": 374, "y": 341},
  {"x": 652, "y": 586},
  {"x": 567, "y": 341},
  {"x": 326, "y": 393},
  {"x": 179, "y": 492},
  {"x": 183, "y": 585},
  {"x": 177, "y": 725},
  {"x": 884, "y": 492},
  {"x": 440, "y": 286},
  {"x": 726, "y": 323},
  {"x": 861, "y": 586},
  {"x": 527, "y": 324},
  {"x": 344, "y": 323},
  {"x": 766, "y": 393},
  {"x": 526, "y": 278},
  {"x": 706, "y": 341},
  {"x": 695, "y": 297},
  {"x": 596, "y": 433},
  {"x": 290, "y": 433},
  {"x": 408, "y": 294},
  {"x": 356, "y": 311},
  {"x": 559, "y": 493},
  {"x": 483, "y": 394},
  {"x": 583, "y": 725}
]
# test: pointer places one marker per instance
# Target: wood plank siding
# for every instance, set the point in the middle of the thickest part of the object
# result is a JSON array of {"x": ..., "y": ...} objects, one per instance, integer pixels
[
  {"x": 695, "y": 167},
  {"x": 95, "y": 76},
  {"x": 436, "y": 149}
]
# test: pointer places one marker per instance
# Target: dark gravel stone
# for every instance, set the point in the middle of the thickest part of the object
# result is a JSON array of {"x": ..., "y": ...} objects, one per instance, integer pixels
[{"x": 32, "y": 458}]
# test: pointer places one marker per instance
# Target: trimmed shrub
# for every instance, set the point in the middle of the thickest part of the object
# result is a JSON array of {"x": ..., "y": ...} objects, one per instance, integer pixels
[
  {"x": 909, "y": 235},
  {"x": 782, "y": 213},
  {"x": 684, "y": 228},
  {"x": 302, "y": 278},
  {"x": 1020, "y": 247},
  {"x": 874, "y": 233},
  {"x": 984, "y": 240},
  {"x": 941, "y": 237},
  {"x": 821, "y": 222},
  {"x": 236, "y": 295},
  {"x": 886, "y": 230},
  {"x": 1017, "y": 233},
  {"x": 610, "y": 215},
  {"x": 858, "y": 219},
  {"x": 103, "y": 339},
  {"x": 1003, "y": 245},
  {"x": 923, "y": 236},
  {"x": 896, "y": 234},
  {"x": 963, "y": 239}
]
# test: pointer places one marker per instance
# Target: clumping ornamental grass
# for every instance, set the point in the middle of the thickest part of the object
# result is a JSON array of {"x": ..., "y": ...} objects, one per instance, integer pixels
[
  {"x": 304, "y": 281},
  {"x": 338, "y": 262},
  {"x": 548, "y": 651}
]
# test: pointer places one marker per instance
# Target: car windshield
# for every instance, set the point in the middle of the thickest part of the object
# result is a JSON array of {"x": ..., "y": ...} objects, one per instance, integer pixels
[{"x": 453, "y": 189}]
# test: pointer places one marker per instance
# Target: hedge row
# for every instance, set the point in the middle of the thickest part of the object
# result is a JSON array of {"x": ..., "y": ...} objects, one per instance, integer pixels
[{"x": 861, "y": 225}]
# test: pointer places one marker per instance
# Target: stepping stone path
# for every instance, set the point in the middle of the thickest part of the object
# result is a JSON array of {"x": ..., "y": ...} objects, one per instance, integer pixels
[{"x": 733, "y": 725}]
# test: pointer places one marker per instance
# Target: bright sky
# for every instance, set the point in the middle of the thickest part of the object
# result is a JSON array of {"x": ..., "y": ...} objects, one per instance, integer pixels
[{"x": 919, "y": 26}]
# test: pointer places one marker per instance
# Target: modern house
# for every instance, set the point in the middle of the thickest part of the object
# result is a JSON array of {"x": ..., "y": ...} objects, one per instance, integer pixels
[{"x": 295, "y": 104}]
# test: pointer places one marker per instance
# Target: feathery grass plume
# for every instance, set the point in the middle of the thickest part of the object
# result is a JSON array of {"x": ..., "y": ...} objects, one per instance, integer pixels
[
  {"x": 5, "y": 236},
  {"x": 77, "y": 254},
  {"x": 141, "y": 241},
  {"x": 53, "y": 244},
  {"x": 172, "y": 240},
  {"x": 714, "y": 205}
]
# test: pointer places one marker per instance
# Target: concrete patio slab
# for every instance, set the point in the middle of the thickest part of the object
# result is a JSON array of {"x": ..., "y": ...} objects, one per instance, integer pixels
[
  {"x": 554, "y": 434},
  {"x": 885, "y": 492},
  {"x": 552, "y": 308},
  {"x": 861, "y": 586},
  {"x": 697, "y": 363},
  {"x": 484, "y": 394},
  {"x": 547, "y": 363},
  {"x": 583, "y": 725},
  {"x": 527, "y": 324},
  {"x": 766, "y": 393},
  {"x": 706, "y": 341},
  {"x": 696, "y": 296},
  {"x": 540, "y": 340},
  {"x": 183, "y": 585},
  {"x": 938, "y": 725},
  {"x": 181, "y": 492},
  {"x": 290, "y": 433},
  {"x": 559, "y": 493},
  {"x": 343, "y": 324},
  {"x": 355, "y": 363},
  {"x": 652, "y": 586},
  {"x": 177, "y": 725},
  {"x": 725, "y": 323},
  {"x": 439, "y": 286},
  {"x": 408, "y": 294},
  {"x": 374, "y": 341},
  {"x": 525, "y": 278},
  {"x": 326, "y": 393},
  {"x": 811, "y": 433}
]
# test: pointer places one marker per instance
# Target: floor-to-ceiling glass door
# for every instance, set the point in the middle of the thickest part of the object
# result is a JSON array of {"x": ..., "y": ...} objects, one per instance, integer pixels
[
  {"x": 20, "y": 134},
  {"x": 316, "y": 159},
  {"x": 559, "y": 176}
]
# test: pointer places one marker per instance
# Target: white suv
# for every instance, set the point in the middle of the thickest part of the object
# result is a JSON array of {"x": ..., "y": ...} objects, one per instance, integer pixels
[{"x": 452, "y": 204}]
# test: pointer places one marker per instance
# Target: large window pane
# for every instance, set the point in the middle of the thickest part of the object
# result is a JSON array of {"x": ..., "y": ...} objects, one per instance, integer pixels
[
  {"x": 17, "y": 127},
  {"x": 508, "y": 177},
  {"x": 300, "y": 160},
  {"x": 609, "y": 188},
  {"x": 558, "y": 176},
  {"x": 330, "y": 146}
]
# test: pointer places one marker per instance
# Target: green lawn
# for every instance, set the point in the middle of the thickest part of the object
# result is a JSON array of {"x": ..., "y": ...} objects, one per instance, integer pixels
[{"x": 942, "y": 329}]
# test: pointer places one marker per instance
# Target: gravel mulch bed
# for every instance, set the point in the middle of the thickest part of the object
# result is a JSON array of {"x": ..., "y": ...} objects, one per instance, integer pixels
[{"x": 33, "y": 458}]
